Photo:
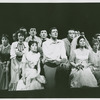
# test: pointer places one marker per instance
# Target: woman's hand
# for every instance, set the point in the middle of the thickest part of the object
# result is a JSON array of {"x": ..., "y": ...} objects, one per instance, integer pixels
[{"x": 79, "y": 66}]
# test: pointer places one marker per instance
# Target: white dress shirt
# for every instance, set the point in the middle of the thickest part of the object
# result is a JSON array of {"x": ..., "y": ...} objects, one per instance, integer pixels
[{"x": 53, "y": 50}]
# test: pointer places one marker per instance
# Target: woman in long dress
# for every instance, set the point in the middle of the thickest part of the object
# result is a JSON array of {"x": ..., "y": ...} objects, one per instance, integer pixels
[
  {"x": 4, "y": 62},
  {"x": 31, "y": 78},
  {"x": 18, "y": 48},
  {"x": 96, "y": 59},
  {"x": 81, "y": 74}
]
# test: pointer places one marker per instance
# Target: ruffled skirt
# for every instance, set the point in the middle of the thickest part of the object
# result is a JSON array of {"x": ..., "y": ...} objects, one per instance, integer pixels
[{"x": 81, "y": 78}]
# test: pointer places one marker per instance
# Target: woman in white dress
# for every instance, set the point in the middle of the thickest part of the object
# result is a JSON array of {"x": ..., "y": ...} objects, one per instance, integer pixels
[
  {"x": 81, "y": 74},
  {"x": 31, "y": 79},
  {"x": 18, "y": 48}
]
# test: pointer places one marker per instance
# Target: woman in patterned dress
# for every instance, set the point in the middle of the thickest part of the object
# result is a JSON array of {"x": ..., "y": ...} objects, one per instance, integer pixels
[{"x": 18, "y": 48}]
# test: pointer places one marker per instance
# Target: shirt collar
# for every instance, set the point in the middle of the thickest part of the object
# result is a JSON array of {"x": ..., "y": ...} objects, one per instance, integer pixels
[
  {"x": 6, "y": 46},
  {"x": 30, "y": 37},
  {"x": 54, "y": 42},
  {"x": 44, "y": 39}
]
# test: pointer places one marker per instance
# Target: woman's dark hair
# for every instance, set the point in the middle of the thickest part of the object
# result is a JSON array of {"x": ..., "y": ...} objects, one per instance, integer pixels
[
  {"x": 81, "y": 37},
  {"x": 32, "y": 42},
  {"x": 22, "y": 33}
]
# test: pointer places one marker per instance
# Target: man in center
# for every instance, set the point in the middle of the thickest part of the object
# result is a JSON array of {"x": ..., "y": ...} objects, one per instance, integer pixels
[{"x": 54, "y": 57}]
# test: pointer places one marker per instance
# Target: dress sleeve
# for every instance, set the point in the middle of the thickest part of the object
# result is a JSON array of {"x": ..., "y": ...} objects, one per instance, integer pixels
[
  {"x": 91, "y": 58},
  {"x": 24, "y": 58},
  {"x": 12, "y": 51}
]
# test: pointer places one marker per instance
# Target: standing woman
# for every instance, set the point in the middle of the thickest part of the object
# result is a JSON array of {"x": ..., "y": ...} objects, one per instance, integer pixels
[
  {"x": 4, "y": 62},
  {"x": 81, "y": 74},
  {"x": 18, "y": 48}
]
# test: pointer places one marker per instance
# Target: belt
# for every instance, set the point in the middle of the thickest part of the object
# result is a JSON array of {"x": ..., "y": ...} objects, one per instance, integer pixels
[{"x": 49, "y": 64}]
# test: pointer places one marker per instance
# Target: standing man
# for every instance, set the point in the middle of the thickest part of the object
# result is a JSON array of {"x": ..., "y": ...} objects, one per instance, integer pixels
[
  {"x": 98, "y": 38},
  {"x": 33, "y": 36},
  {"x": 68, "y": 40},
  {"x": 54, "y": 56},
  {"x": 43, "y": 35}
]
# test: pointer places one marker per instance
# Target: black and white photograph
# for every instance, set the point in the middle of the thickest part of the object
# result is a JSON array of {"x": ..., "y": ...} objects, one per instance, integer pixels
[{"x": 49, "y": 50}]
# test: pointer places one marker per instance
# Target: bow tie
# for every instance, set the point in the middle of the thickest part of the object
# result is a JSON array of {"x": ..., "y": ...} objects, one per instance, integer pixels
[{"x": 43, "y": 40}]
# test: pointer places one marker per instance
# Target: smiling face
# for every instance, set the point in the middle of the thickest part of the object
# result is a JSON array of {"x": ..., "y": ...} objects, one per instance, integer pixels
[
  {"x": 20, "y": 37},
  {"x": 82, "y": 42},
  {"x": 33, "y": 47}
]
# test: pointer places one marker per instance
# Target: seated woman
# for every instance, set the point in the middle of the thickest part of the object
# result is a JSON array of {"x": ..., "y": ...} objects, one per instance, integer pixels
[
  {"x": 81, "y": 74},
  {"x": 31, "y": 78},
  {"x": 96, "y": 59},
  {"x": 4, "y": 62}
]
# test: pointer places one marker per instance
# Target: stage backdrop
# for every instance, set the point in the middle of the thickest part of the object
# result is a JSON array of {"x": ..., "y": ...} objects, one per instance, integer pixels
[{"x": 82, "y": 17}]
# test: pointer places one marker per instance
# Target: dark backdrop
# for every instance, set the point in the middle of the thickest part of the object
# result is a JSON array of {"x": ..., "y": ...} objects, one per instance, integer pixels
[{"x": 83, "y": 17}]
